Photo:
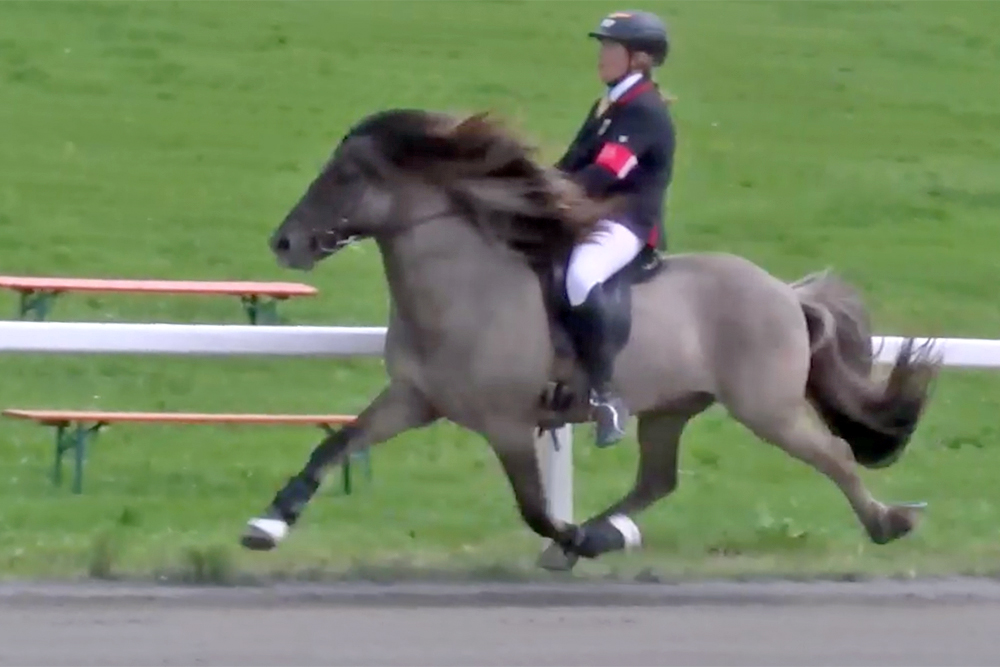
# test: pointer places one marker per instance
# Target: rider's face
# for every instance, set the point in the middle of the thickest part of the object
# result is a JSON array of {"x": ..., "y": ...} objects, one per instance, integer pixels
[{"x": 613, "y": 61}]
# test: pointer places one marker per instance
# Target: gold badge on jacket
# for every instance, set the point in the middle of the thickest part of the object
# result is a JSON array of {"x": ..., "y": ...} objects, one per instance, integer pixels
[{"x": 602, "y": 105}]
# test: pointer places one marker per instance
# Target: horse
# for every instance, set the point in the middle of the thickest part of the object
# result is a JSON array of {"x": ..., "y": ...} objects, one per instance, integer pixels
[{"x": 474, "y": 235}]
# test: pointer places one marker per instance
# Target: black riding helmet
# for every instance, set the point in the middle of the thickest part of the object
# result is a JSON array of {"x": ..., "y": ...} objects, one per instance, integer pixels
[{"x": 636, "y": 31}]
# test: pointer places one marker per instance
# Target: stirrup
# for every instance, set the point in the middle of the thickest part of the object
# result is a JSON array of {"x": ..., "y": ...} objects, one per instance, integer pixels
[{"x": 610, "y": 417}]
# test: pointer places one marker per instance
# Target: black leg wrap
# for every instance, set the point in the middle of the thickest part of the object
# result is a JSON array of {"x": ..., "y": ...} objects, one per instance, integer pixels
[
  {"x": 325, "y": 452},
  {"x": 291, "y": 500},
  {"x": 293, "y": 497},
  {"x": 598, "y": 538}
]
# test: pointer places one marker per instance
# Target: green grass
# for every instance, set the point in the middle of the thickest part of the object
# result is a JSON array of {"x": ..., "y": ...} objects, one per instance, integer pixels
[{"x": 156, "y": 139}]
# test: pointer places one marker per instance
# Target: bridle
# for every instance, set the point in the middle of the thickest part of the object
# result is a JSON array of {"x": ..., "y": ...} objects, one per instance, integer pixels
[
  {"x": 329, "y": 241},
  {"x": 338, "y": 242}
]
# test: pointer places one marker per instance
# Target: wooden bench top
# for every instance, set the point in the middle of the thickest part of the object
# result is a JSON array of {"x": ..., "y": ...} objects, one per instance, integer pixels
[
  {"x": 238, "y": 287},
  {"x": 63, "y": 417}
]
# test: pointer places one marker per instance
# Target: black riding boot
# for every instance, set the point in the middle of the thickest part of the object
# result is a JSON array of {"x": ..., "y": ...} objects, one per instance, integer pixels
[{"x": 597, "y": 328}]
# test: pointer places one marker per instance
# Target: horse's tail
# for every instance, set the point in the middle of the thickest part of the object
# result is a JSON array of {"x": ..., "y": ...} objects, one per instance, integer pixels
[{"x": 875, "y": 417}]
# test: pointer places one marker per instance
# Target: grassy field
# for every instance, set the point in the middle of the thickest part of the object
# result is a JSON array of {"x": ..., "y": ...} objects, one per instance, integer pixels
[{"x": 157, "y": 139}]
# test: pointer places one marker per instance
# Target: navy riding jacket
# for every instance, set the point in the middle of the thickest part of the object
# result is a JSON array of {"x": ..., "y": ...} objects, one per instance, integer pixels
[{"x": 628, "y": 149}]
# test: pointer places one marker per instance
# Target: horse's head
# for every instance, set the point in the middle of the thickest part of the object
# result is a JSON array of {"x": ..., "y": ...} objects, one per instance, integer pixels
[
  {"x": 359, "y": 191},
  {"x": 348, "y": 200},
  {"x": 401, "y": 167}
]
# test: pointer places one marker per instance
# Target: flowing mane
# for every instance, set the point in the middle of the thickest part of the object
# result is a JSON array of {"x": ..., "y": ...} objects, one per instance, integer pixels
[{"x": 491, "y": 173}]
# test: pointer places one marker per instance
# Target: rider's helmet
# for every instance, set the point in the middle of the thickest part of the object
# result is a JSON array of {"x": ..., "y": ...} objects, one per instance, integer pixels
[{"x": 636, "y": 31}]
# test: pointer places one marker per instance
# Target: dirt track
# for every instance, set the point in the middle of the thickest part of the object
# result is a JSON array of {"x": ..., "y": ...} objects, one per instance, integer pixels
[{"x": 922, "y": 623}]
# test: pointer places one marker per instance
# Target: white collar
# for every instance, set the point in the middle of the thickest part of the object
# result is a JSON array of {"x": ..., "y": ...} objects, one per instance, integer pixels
[{"x": 623, "y": 86}]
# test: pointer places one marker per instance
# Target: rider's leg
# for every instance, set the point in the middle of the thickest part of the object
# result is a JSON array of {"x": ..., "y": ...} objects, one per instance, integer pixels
[{"x": 610, "y": 248}]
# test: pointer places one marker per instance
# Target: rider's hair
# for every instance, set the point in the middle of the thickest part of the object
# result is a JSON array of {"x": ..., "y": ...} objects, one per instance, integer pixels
[{"x": 644, "y": 63}]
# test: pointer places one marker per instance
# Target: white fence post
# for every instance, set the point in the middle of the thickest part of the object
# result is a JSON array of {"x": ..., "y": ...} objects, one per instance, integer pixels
[{"x": 555, "y": 454}]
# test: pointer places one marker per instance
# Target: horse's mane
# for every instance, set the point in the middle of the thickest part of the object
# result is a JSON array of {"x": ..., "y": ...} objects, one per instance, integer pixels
[{"x": 491, "y": 173}]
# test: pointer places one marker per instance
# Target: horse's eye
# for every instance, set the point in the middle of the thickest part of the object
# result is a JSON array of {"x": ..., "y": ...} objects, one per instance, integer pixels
[{"x": 348, "y": 174}]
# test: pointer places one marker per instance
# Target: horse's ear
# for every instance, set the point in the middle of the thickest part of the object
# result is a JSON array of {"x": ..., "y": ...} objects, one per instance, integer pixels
[{"x": 479, "y": 123}]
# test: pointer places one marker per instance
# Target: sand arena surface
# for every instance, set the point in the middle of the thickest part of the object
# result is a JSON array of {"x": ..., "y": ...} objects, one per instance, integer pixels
[{"x": 952, "y": 622}]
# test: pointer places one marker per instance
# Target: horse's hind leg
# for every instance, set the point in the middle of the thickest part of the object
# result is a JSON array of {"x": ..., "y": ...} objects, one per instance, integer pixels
[
  {"x": 398, "y": 408},
  {"x": 802, "y": 436},
  {"x": 656, "y": 477}
]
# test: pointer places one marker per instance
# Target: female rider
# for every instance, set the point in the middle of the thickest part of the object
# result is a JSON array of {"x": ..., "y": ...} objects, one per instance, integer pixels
[{"x": 624, "y": 147}]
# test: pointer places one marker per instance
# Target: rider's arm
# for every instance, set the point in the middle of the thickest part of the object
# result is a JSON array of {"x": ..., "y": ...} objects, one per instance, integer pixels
[{"x": 631, "y": 135}]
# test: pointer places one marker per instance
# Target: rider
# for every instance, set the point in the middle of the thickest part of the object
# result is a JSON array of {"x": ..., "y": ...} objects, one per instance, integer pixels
[{"x": 624, "y": 147}]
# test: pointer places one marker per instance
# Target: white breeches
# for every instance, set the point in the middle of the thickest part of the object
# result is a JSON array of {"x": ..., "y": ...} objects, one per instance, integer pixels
[{"x": 608, "y": 249}]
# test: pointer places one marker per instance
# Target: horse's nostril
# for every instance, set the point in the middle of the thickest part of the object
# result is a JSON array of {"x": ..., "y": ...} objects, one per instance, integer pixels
[
  {"x": 313, "y": 244},
  {"x": 283, "y": 244}
]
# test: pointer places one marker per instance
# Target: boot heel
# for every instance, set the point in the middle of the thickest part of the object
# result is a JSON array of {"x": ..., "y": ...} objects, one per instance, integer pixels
[{"x": 610, "y": 424}]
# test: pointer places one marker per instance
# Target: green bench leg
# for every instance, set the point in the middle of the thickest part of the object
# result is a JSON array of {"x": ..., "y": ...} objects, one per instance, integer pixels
[
  {"x": 261, "y": 310},
  {"x": 348, "y": 470},
  {"x": 36, "y": 305},
  {"x": 77, "y": 437},
  {"x": 73, "y": 437},
  {"x": 365, "y": 458}
]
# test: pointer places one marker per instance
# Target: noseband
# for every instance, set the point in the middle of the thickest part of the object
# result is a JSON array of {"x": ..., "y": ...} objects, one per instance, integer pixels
[{"x": 330, "y": 241}]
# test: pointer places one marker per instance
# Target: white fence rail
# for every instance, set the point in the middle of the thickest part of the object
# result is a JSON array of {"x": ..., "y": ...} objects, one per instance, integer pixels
[
  {"x": 556, "y": 449},
  {"x": 957, "y": 352},
  {"x": 230, "y": 340},
  {"x": 240, "y": 340},
  {"x": 190, "y": 339}
]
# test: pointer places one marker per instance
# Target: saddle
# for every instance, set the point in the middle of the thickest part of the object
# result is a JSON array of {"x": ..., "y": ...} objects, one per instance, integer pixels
[{"x": 559, "y": 397}]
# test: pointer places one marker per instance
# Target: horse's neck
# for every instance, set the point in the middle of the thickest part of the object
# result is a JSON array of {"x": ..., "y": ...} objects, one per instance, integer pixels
[{"x": 444, "y": 275}]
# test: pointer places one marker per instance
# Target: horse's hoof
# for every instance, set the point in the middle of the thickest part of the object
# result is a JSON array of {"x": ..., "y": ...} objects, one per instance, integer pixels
[
  {"x": 554, "y": 559},
  {"x": 897, "y": 521},
  {"x": 263, "y": 534}
]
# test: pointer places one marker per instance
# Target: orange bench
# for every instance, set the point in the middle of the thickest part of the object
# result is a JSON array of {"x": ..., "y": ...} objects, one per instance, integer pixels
[
  {"x": 76, "y": 428},
  {"x": 259, "y": 299}
]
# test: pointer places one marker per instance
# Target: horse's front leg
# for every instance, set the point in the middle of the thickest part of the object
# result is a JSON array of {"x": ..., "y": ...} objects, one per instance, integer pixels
[
  {"x": 513, "y": 443},
  {"x": 397, "y": 409}
]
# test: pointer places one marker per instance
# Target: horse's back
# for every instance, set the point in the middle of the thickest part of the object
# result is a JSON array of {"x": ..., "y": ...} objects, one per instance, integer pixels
[
  {"x": 715, "y": 283},
  {"x": 716, "y": 264}
]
